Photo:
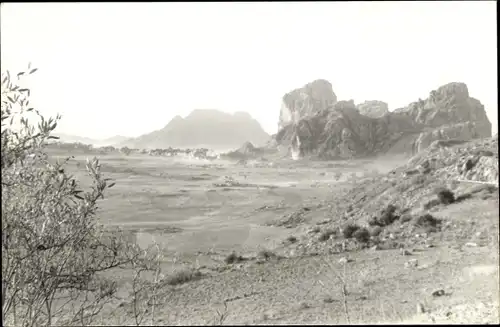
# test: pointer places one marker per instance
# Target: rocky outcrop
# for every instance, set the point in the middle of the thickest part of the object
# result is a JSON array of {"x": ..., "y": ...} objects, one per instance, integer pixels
[
  {"x": 342, "y": 130},
  {"x": 373, "y": 109},
  {"x": 204, "y": 129},
  {"x": 306, "y": 101}
]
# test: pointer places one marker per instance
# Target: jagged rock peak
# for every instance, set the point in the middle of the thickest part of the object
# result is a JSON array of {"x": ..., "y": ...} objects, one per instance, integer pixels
[{"x": 307, "y": 100}]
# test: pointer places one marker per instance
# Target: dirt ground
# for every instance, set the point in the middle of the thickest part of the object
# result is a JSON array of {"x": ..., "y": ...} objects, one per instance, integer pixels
[{"x": 203, "y": 211}]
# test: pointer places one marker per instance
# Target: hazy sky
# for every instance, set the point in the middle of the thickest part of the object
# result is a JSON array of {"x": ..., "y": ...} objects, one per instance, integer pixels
[{"x": 128, "y": 68}]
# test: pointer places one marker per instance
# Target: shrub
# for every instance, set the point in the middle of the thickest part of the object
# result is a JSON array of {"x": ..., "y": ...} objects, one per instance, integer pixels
[
  {"x": 362, "y": 235},
  {"x": 233, "y": 258},
  {"x": 387, "y": 217},
  {"x": 349, "y": 230},
  {"x": 183, "y": 276},
  {"x": 427, "y": 221},
  {"x": 446, "y": 196},
  {"x": 53, "y": 246},
  {"x": 291, "y": 239}
]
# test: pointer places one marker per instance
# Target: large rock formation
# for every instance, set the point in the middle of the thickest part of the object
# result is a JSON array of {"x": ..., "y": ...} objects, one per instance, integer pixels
[
  {"x": 373, "y": 109},
  {"x": 340, "y": 130},
  {"x": 306, "y": 101},
  {"x": 211, "y": 129}
]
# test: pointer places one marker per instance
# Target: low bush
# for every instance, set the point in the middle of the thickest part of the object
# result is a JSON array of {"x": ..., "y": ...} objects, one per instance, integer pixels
[
  {"x": 183, "y": 276},
  {"x": 386, "y": 218},
  {"x": 349, "y": 230},
  {"x": 233, "y": 258},
  {"x": 362, "y": 235},
  {"x": 427, "y": 221},
  {"x": 445, "y": 196}
]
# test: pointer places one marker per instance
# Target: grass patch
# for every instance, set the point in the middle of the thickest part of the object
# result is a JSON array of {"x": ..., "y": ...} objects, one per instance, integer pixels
[{"x": 183, "y": 276}]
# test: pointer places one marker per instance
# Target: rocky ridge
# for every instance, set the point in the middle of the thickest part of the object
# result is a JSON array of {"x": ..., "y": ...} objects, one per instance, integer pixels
[
  {"x": 313, "y": 123},
  {"x": 469, "y": 169}
]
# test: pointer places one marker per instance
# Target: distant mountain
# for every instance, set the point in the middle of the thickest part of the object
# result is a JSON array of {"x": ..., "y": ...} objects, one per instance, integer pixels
[
  {"x": 67, "y": 138},
  {"x": 117, "y": 139},
  {"x": 207, "y": 128}
]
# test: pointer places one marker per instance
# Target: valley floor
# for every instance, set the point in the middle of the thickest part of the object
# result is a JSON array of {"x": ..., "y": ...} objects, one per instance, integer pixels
[{"x": 204, "y": 213}]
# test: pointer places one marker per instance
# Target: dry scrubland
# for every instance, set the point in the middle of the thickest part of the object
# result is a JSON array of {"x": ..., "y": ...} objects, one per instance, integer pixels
[
  {"x": 270, "y": 245},
  {"x": 274, "y": 241}
]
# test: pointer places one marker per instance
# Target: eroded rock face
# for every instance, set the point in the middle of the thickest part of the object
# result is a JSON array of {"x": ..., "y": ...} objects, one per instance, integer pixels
[
  {"x": 342, "y": 130},
  {"x": 373, "y": 109},
  {"x": 306, "y": 101}
]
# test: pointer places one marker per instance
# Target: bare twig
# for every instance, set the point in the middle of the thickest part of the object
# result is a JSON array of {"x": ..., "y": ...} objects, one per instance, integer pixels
[{"x": 222, "y": 316}]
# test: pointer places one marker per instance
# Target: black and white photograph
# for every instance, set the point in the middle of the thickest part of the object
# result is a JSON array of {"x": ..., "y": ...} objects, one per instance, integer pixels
[{"x": 249, "y": 163}]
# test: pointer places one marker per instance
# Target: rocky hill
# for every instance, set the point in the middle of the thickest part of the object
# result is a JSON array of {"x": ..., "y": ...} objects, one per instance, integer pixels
[
  {"x": 204, "y": 128},
  {"x": 313, "y": 122}
]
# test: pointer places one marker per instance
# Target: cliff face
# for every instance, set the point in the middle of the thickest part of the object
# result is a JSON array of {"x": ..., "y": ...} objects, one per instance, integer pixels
[
  {"x": 306, "y": 101},
  {"x": 211, "y": 129},
  {"x": 323, "y": 127}
]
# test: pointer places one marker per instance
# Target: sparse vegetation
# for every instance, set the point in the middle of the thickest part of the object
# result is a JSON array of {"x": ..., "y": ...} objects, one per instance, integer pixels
[
  {"x": 54, "y": 251},
  {"x": 349, "y": 230},
  {"x": 427, "y": 221},
  {"x": 445, "y": 196},
  {"x": 183, "y": 276},
  {"x": 233, "y": 258},
  {"x": 362, "y": 235},
  {"x": 60, "y": 266},
  {"x": 387, "y": 217}
]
